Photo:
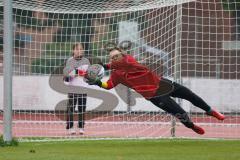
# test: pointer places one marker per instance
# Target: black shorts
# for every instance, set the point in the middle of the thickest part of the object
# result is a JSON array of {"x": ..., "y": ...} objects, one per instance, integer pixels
[{"x": 166, "y": 87}]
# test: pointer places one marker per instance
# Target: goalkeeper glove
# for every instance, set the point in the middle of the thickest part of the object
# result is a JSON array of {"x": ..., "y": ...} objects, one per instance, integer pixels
[{"x": 96, "y": 82}]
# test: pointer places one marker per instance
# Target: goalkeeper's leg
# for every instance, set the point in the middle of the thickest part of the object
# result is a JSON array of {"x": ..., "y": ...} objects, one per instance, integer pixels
[
  {"x": 185, "y": 93},
  {"x": 170, "y": 106}
]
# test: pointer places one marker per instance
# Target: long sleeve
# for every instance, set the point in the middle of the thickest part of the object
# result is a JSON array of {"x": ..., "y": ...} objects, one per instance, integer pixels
[
  {"x": 111, "y": 83},
  {"x": 67, "y": 68}
]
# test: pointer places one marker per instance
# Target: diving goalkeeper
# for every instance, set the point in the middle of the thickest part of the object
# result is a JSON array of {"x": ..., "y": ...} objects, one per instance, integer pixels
[{"x": 127, "y": 71}]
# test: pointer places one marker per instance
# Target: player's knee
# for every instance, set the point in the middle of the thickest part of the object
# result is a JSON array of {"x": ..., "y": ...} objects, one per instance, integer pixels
[{"x": 196, "y": 100}]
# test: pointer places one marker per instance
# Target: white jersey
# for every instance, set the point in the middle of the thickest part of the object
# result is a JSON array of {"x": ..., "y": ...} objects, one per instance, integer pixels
[{"x": 72, "y": 64}]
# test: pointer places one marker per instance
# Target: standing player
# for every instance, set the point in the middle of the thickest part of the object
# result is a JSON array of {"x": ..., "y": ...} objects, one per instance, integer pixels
[
  {"x": 127, "y": 71},
  {"x": 80, "y": 64}
]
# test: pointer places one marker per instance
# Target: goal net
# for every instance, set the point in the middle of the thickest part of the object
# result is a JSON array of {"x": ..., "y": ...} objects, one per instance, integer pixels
[{"x": 193, "y": 42}]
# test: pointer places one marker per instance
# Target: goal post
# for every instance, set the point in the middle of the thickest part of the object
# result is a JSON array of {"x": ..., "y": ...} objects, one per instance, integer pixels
[
  {"x": 8, "y": 52},
  {"x": 192, "y": 42}
]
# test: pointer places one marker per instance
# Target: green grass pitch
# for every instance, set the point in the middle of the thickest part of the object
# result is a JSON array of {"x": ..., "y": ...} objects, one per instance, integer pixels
[{"x": 160, "y": 149}]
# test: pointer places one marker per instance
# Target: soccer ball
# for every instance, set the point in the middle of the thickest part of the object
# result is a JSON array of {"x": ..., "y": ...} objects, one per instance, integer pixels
[{"x": 95, "y": 71}]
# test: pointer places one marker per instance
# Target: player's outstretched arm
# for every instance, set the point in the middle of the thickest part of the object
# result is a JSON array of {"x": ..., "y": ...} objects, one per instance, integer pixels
[
  {"x": 94, "y": 75},
  {"x": 105, "y": 85}
]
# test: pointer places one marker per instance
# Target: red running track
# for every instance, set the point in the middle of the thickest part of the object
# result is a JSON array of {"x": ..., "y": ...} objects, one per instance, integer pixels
[{"x": 120, "y": 126}]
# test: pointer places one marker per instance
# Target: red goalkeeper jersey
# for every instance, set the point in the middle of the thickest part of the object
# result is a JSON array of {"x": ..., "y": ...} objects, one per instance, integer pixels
[{"x": 133, "y": 75}]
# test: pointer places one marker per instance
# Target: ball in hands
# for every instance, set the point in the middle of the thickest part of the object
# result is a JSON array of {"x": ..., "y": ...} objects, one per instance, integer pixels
[{"x": 94, "y": 72}]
